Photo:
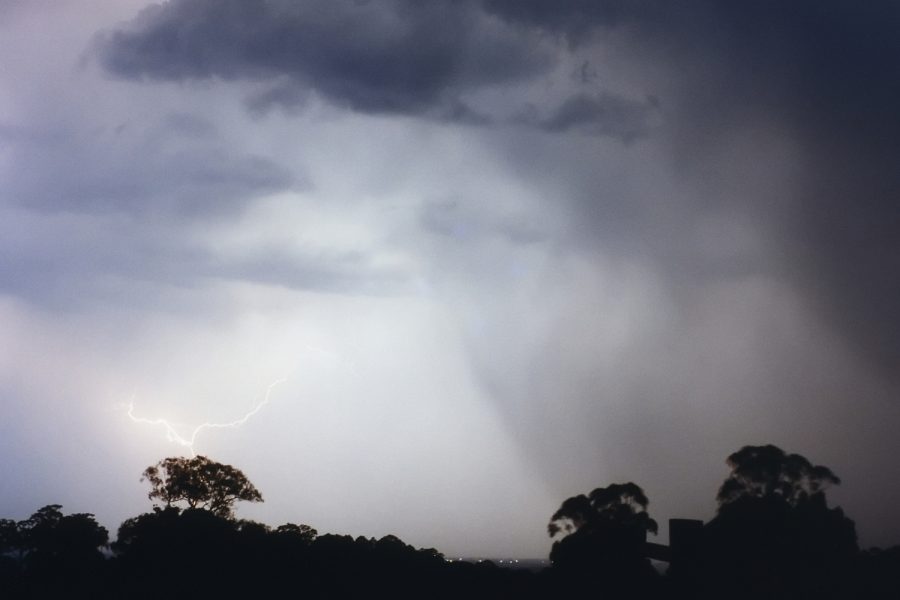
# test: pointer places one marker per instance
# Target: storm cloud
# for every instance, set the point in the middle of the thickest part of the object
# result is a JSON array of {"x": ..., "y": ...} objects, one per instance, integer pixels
[
  {"x": 825, "y": 75},
  {"x": 399, "y": 57},
  {"x": 395, "y": 57},
  {"x": 543, "y": 245}
]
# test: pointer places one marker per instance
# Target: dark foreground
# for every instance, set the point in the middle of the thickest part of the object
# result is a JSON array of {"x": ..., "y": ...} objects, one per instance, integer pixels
[
  {"x": 773, "y": 537},
  {"x": 195, "y": 554}
]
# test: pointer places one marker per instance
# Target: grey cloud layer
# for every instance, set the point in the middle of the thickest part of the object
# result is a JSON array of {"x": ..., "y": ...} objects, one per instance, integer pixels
[
  {"x": 93, "y": 214},
  {"x": 138, "y": 170},
  {"x": 394, "y": 57},
  {"x": 822, "y": 75},
  {"x": 601, "y": 115},
  {"x": 825, "y": 73}
]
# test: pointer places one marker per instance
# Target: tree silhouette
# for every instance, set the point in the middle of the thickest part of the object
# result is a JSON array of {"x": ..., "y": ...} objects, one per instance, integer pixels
[
  {"x": 774, "y": 532},
  {"x": 604, "y": 541},
  {"x": 200, "y": 483},
  {"x": 10, "y": 554},
  {"x": 774, "y": 536},
  {"x": 763, "y": 471},
  {"x": 50, "y": 535},
  {"x": 9, "y": 537},
  {"x": 618, "y": 505},
  {"x": 52, "y": 555},
  {"x": 302, "y": 533}
]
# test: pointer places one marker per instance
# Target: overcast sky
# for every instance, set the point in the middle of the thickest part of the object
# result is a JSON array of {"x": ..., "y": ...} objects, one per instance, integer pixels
[{"x": 501, "y": 251}]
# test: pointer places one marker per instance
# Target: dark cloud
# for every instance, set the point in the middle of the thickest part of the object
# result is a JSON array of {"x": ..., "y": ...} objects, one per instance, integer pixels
[
  {"x": 601, "y": 115},
  {"x": 574, "y": 19},
  {"x": 826, "y": 74},
  {"x": 385, "y": 57},
  {"x": 286, "y": 96}
]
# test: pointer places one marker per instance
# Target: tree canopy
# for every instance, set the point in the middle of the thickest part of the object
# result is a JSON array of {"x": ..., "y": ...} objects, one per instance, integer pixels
[
  {"x": 604, "y": 539},
  {"x": 774, "y": 536},
  {"x": 774, "y": 531},
  {"x": 51, "y": 542},
  {"x": 619, "y": 504},
  {"x": 51, "y": 533},
  {"x": 768, "y": 471},
  {"x": 199, "y": 483}
]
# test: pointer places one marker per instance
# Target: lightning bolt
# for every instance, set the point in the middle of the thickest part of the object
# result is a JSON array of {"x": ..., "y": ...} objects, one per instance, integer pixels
[{"x": 189, "y": 442}]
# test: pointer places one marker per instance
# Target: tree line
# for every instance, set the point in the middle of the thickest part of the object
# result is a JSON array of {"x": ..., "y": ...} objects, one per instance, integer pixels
[{"x": 773, "y": 536}]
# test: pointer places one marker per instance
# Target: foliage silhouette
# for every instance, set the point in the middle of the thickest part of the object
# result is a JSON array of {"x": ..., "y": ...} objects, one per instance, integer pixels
[
  {"x": 774, "y": 532},
  {"x": 298, "y": 533},
  {"x": 773, "y": 536},
  {"x": 764, "y": 471},
  {"x": 200, "y": 483},
  {"x": 620, "y": 504},
  {"x": 50, "y": 553},
  {"x": 9, "y": 537},
  {"x": 604, "y": 540},
  {"x": 48, "y": 536}
]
